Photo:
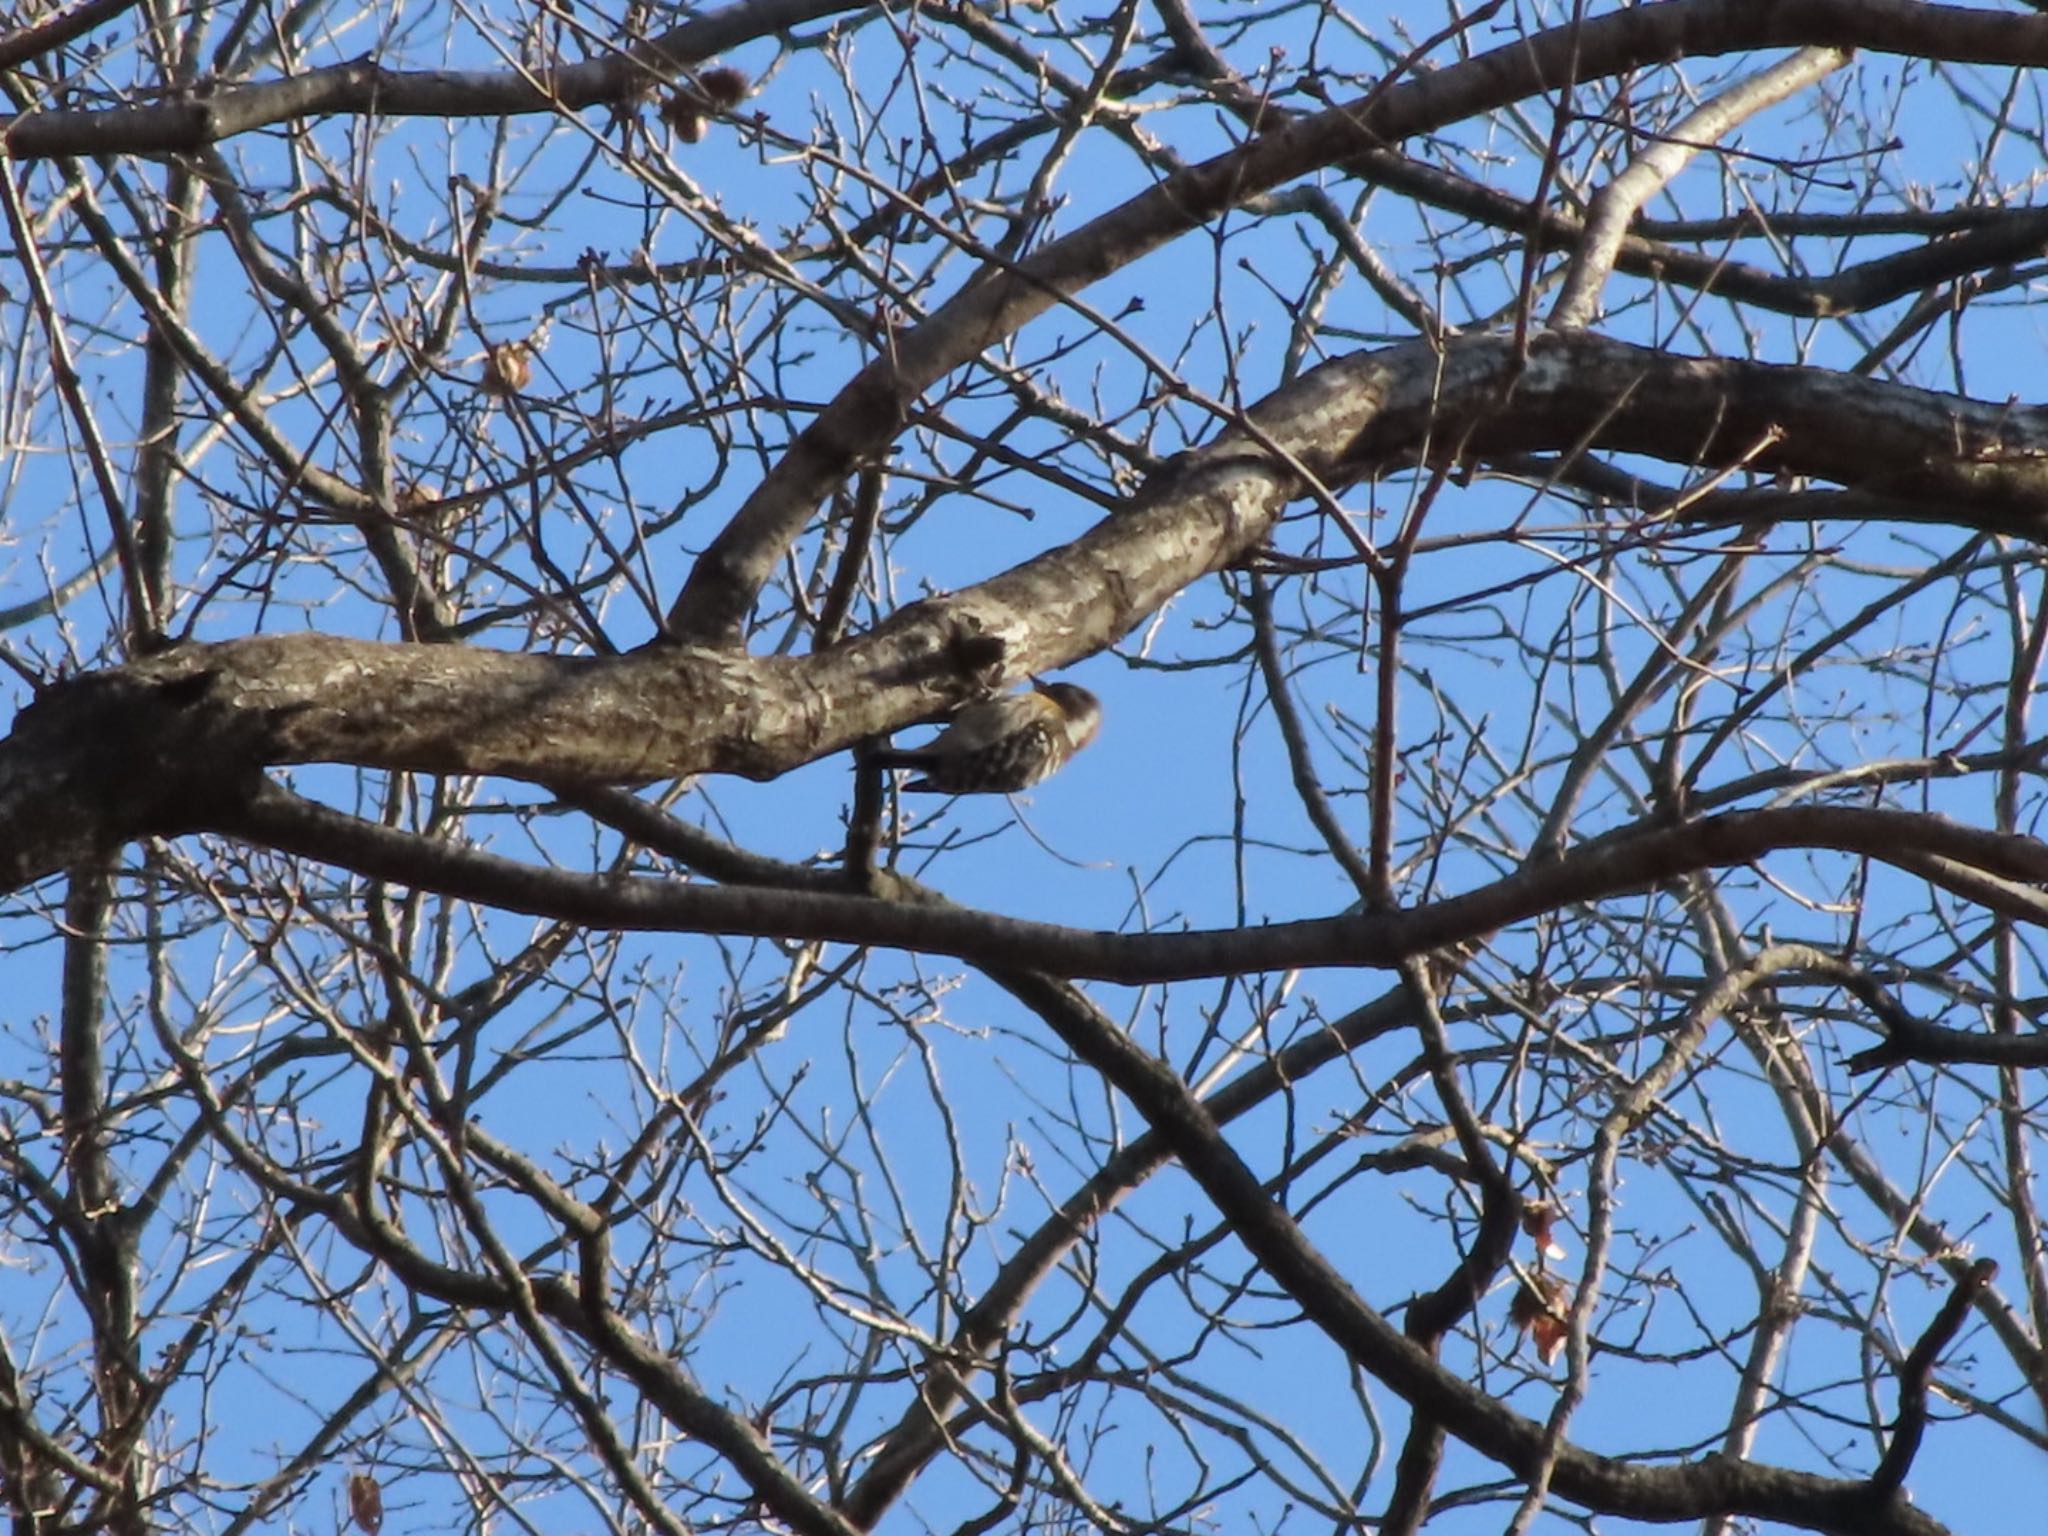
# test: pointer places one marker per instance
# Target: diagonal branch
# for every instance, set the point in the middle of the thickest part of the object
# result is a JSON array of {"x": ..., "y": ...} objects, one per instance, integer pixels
[
  {"x": 148, "y": 747},
  {"x": 1615, "y": 206},
  {"x": 1002, "y": 297}
]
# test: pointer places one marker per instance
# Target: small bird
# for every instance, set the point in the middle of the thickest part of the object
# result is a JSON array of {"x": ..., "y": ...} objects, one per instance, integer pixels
[
  {"x": 508, "y": 368},
  {"x": 1003, "y": 745}
]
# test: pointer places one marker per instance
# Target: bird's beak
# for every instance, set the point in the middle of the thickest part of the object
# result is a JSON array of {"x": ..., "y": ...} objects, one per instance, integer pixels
[{"x": 1039, "y": 685}]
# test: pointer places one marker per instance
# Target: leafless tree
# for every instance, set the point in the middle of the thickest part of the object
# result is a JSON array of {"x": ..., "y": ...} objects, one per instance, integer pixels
[{"x": 1528, "y": 1020}]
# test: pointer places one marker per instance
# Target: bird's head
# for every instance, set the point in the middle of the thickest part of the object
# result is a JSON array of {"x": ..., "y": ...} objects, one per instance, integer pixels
[{"x": 1083, "y": 711}]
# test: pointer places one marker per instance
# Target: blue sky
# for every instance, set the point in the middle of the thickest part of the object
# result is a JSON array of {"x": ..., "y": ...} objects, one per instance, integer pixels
[{"x": 1180, "y": 816}]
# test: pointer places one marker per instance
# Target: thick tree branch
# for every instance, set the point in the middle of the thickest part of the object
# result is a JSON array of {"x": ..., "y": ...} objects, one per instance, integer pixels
[
  {"x": 146, "y": 747},
  {"x": 719, "y": 1090},
  {"x": 1911, "y": 1039}
]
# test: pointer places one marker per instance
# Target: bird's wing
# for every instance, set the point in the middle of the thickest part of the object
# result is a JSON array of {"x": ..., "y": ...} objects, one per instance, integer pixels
[{"x": 981, "y": 725}]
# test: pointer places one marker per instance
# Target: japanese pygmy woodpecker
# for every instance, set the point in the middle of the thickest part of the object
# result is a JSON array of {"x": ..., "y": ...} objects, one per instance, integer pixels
[{"x": 1002, "y": 745}]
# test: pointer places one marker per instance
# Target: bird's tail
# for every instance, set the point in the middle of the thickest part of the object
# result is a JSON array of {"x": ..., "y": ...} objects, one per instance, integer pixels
[
  {"x": 900, "y": 757},
  {"x": 893, "y": 757}
]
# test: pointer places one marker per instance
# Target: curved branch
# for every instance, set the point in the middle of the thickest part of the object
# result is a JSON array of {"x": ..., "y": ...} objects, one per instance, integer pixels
[
  {"x": 1713, "y": 1485},
  {"x": 1618, "y": 865},
  {"x": 1615, "y": 206},
  {"x": 1001, "y": 298},
  {"x": 1918, "y": 1371}
]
